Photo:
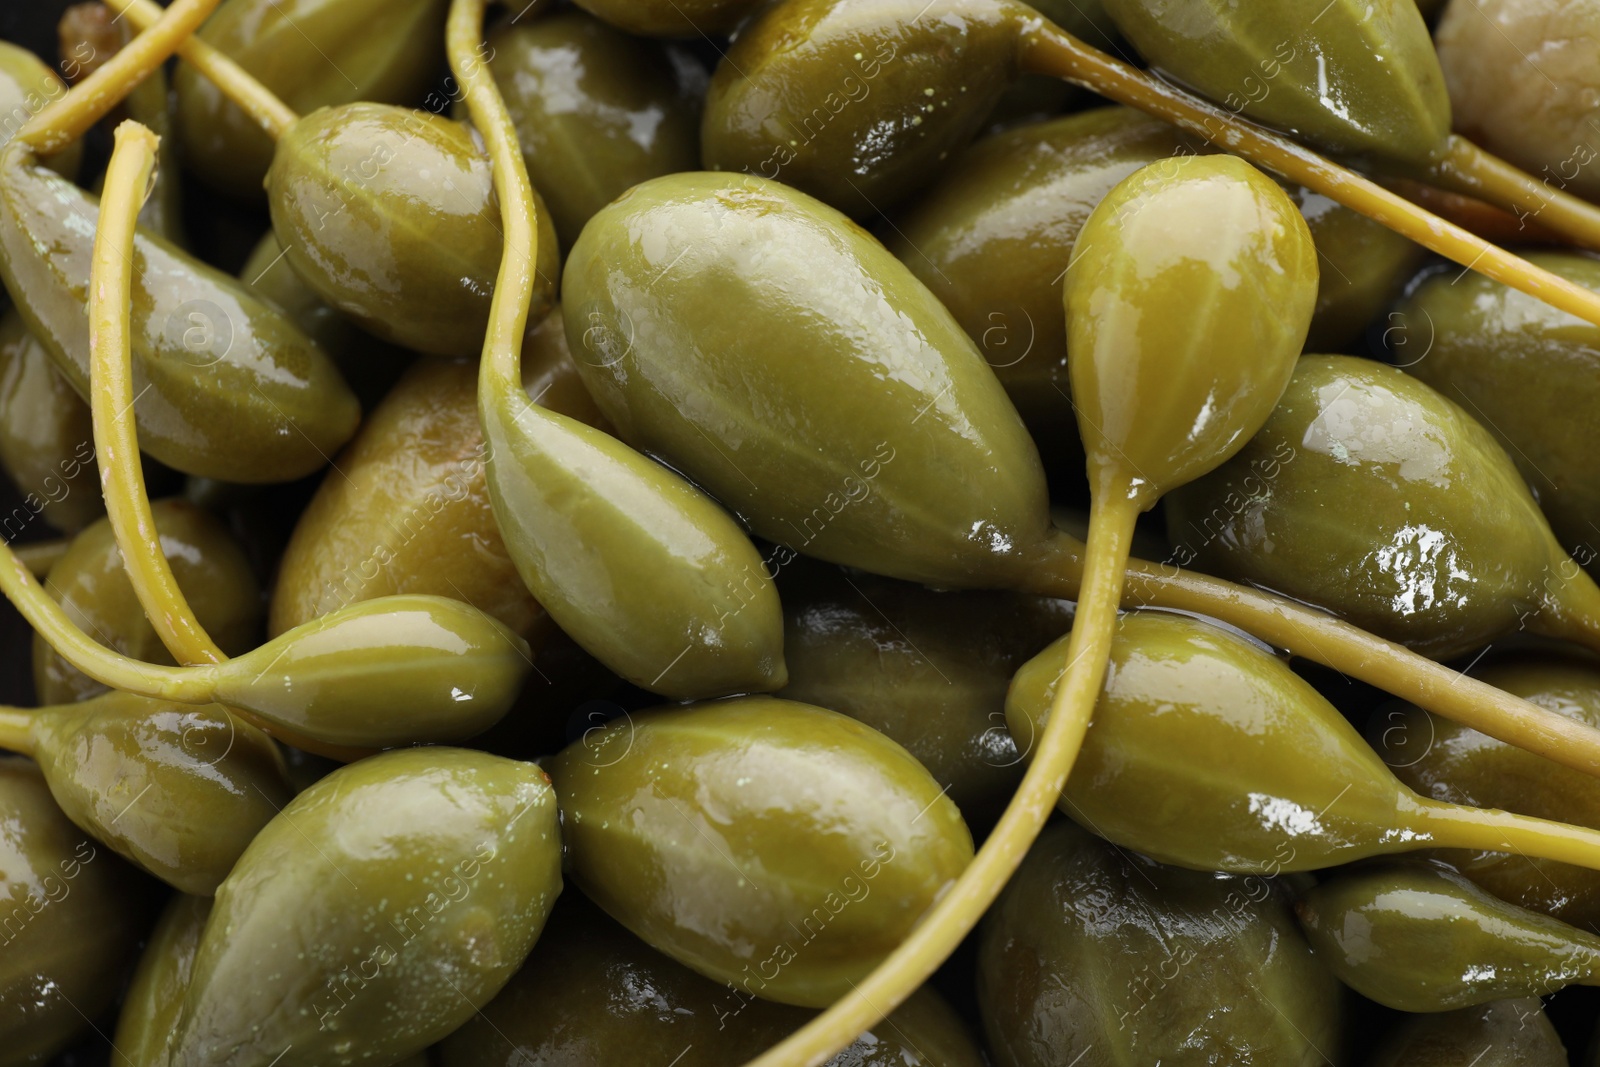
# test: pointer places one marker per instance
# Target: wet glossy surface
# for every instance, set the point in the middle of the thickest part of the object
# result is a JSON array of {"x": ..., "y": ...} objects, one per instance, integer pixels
[
  {"x": 397, "y": 670},
  {"x": 1529, "y": 373},
  {"x": 1036, "y": 97},
  {"x": 928, "y": 669},
  {"x": 428, "y": 879},
  {"x": 771, "y": 845},
  {"x": 1164, "y": 396},
  {"x": 859, "y": 105},
  {"x": 225, "y": 386},
  {"x": 88, "y": 36},
  {"x": 1098, "y": 957},
  {"x": 369, "y": 365},
  {"x": 1522, "y": 84},
  {"x": 46, "y": 434},
  {"x": 1364, "y": 267},
  {"x": 1419, "y": 937},
  {"x": 74, "y": 916},
  {"x": 593, "y": 995},
  {"x": 671, "y": 18},
  {"x": 389, "y": 215},
  {"x": 1445, "y": 761},
  {"x": 596, "y": 110},
  {"x": 550, "y": 373},
  {"x": 152, "y": 105},
  {"x": 925, "y": 1031},
  {"x": 648, "y": 574},
  {"x": 780, "y": 356},
  {"x": 1447, "y": 549},
  {"x": 155, "y": 994},
  {"x": 1210, "y": 753},
  {"x": 1502, "y": 1033},
  {"x": 177, "y": 789},
  {"x": 311, "y": 53},
  {"x": 1359, "y": 78},
  {"x": 269, "y": 273},
  {"x": 407, "y": 512},
  {"x": 90, "y": 582},
  {"x": 27, "y": 87},
  {"x": 993, "y": 239}
]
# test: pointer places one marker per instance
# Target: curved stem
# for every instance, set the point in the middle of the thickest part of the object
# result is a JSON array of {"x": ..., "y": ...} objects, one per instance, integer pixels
[
  {"x": 1047, "y": 49},
  {"x": 1463, "y": 167},
  {"x": 500, "y": 365},
  {"x": 116, "y": 439},
  {"x": 1315, "y": 635},
  {"x": 69, "y": 117},
  {"x": 237, "y": 84},
  {"x": 111, "y": 401},
  {"x": 500, "y": 374},
  {"x": 1488, "y": 830},
  {"x": 42, "y": 555},
  {"x": 16, "y": 731},
  {"x": 185, "y": 685},
  {"x": 958, "y": 911},
  {"x": 182, "y": 685}
]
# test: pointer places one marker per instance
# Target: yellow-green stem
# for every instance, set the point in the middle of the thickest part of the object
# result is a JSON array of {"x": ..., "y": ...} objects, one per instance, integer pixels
[
  {"x": 16, "y": 731},
  {"x": 111, "y": 398},
  {"x": 186, "y": 685},
  {"x": 1463, "y": 167},
  {"x": 40, "y": 556},
  {"x": 958, "y": 911},
  {"x": 71, "y": 115},
  {"x": 127, "y": 185},
  {"x": 1047, "y": 49},
  {"x": 116, "y": 442},
  {"x": 500, "y": 374},
  {"x": 1503, "y": 831},
  {"x": 237, "y": 84},
  {"x": 1318, "y": 636}
]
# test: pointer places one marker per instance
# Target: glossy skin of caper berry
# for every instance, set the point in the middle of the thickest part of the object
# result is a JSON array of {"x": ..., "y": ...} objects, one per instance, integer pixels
[
  {"x": 367, "y": 920},
  {"x": 389, "y": 215},
  {"x": 71, "y": 915},
  {"x": 311, "y": 53},
  {"x": 1100, "y": 954},
  {"x": 91, "y": 583},
  {"x": 597, "y": 111},
  {"x": 839, "y": 840}
]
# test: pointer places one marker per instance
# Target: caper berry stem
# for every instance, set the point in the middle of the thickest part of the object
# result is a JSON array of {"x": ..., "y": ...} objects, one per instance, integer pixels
[
  {"x": 1322, "y": 638},
  {"x": 1047, "y": 49},
  {"x": 127, "y": 185},
  {"x": 111, "y": 398},
  {"x": 501, "y": 398},
  {"x": 185, "y": 685},
  {"x": 71, "y": 115},
  {"x": 1481, "y": 829},
  {"x": 1463, "y": 167},
  {"x": 1482, "y": 218},
  {"x": 500, "y": 380},
  {"x": 16, "y": 731},
  {"x": 247, "y": 93},
  {"x": 958, "y": 911}
]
